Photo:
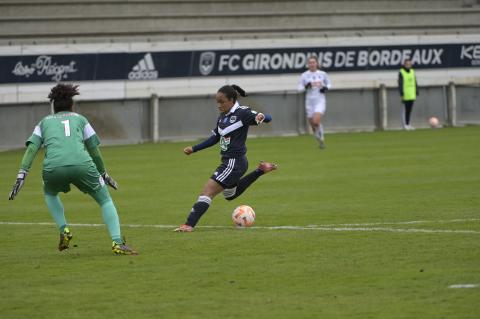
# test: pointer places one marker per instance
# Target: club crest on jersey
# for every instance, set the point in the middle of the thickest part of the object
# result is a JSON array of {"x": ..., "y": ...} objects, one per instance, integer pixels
[
  {"x": 206, "y": 63},
  {"x": 224, "y": 143},
  {"x": 233, "y": 119}
]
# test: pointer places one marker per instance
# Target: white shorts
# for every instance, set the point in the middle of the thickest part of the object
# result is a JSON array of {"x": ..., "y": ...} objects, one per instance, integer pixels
[{"x": 316, "y": 105}]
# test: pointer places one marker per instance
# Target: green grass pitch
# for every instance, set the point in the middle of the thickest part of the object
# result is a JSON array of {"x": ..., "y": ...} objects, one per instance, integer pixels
[{"x": 388, "y": 221}]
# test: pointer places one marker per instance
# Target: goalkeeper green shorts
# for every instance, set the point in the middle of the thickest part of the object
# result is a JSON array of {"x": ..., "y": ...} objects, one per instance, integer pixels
[{"x": 85, "y": 177}]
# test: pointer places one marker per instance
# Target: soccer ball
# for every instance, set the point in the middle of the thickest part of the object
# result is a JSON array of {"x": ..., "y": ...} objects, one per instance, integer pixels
[
  {"x": 433, "y": 121},
  {"x": 243, "y": 216}
]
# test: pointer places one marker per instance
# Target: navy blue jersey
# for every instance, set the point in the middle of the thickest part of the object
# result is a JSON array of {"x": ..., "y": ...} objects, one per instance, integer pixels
[{"x": 232, "y": 130}]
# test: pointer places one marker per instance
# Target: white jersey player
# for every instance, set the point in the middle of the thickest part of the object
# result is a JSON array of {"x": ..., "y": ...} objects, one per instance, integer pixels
[{"x": 316, "y": 83}]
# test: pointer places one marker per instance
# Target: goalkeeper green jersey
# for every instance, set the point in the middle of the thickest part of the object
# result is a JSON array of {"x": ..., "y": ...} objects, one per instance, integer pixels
[{"x": 65, "y": 136}]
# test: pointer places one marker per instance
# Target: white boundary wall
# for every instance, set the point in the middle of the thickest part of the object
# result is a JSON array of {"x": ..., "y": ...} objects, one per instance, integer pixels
[{"x": 182, "y": 87}]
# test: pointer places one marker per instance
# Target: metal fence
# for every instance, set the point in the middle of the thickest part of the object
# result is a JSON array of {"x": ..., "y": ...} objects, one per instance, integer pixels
[{"x": 182, "y": 118}]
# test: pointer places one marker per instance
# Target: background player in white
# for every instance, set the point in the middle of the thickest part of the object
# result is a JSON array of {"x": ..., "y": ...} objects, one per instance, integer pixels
[{"x": 316, "y": 83}]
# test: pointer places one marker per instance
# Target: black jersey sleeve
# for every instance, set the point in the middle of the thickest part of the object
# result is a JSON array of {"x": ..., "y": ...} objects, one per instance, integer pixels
[
  {"x": 212, "y": 140},
  {"x": 400, "y": 83},
  {"x": 248, "y": 116}
]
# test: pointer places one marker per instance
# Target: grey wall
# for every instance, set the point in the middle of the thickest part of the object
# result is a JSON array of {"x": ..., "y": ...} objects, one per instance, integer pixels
[
  {"x": 17, "y": 123},
  {"x": 468, "y": 104},
  {"x": 430, "y": 102},
  {"x": 351, "y": 110},
  {"x": 129, "y": 121},
  {"x": 195, "y": 117},
  {"x": 125, "y": 122}
]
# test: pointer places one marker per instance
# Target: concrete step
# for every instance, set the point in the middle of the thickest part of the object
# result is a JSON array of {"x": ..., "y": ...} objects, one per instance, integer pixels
[
  {"x": 153, "y": 26},
  {"x": 32, "y": 26},
  {"x": 59, "y": 8},
  {"x": 212, "y": 35}
]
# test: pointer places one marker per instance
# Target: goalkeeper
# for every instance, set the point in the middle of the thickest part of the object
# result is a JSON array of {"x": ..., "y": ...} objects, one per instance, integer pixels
[{"x": 72, "y": 156}]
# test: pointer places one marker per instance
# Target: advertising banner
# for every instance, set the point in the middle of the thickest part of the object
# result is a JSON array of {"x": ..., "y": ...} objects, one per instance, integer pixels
[{"x": 169, "y": 64}]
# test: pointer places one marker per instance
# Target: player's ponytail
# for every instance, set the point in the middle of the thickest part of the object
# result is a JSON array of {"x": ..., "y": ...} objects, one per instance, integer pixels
[
  {"x": 239, "y": 90},
  {"x": 62, "y": 97},
  {"x": 232, "y": 91}
]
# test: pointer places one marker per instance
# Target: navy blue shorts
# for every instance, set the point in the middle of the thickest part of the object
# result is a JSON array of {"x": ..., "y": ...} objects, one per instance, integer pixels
[{"x": 230, "y": 171}]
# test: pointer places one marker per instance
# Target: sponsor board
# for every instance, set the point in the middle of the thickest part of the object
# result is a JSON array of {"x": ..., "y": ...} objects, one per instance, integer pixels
[
  {"x": 168, "y": 64},
  {"x": 45, "y": 65}
]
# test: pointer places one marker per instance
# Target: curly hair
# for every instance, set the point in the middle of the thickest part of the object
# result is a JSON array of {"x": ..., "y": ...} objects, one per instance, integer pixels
[{"x": 62, "y": 96}]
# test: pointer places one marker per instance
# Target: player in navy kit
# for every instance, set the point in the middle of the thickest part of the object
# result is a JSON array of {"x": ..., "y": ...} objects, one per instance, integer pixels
[{"x": 231, "y": 131}]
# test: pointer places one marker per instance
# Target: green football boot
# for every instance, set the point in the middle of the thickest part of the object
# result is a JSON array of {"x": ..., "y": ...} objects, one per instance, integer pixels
[
  {"x": 65, "y": 239},
  {"x": 122, "y": 249}
]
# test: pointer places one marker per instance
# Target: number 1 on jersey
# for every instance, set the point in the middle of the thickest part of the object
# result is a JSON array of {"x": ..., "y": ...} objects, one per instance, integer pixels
[{"x": 66, "y": 126}]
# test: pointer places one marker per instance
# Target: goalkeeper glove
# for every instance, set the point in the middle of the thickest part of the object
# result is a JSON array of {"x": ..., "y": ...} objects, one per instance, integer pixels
[
  {"x": 22, "y": 174},
  {"x": 109, "y": 181},
  {"x": 309, "y": 85},
  {"x": 323, "y": 90}
]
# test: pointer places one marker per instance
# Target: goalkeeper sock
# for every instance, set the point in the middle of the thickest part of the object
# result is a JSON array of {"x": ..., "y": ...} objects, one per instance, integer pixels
[
  {"x": 198, "y": 209},
  {"x": 243, "y": 184},
  {"x": 55, "y": 207},
  {"x": 110, "y": 218}
]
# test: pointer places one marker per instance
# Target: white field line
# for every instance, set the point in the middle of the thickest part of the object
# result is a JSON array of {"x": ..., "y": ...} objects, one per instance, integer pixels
[
  {"x": 326, "y": 228},
  {"x": 375, "y": 229},
  {"x": 441, "y": 221},
  {"x": 460, "y": 286}
]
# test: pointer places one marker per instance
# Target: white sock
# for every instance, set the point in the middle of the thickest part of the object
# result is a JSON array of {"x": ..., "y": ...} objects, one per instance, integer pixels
[
  {"x": 319, "y": 132},
  {"x": 316, "y": 133}
]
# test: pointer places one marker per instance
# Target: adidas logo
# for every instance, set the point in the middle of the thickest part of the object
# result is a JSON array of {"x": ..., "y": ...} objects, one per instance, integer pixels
[{"x": 144, "y": 69}]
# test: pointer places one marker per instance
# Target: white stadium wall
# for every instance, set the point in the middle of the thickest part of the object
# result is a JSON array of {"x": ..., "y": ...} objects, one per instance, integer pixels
[{"x": 122, "y": 110}]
